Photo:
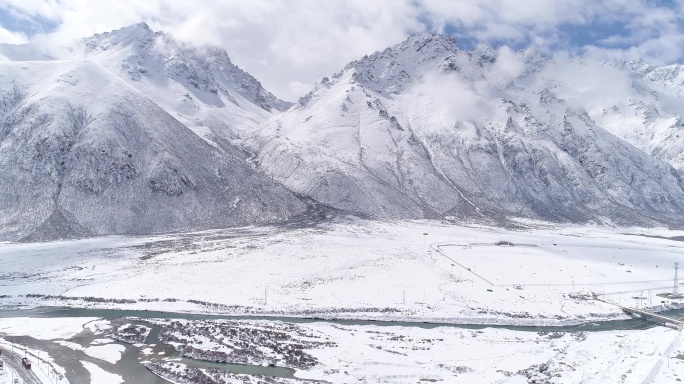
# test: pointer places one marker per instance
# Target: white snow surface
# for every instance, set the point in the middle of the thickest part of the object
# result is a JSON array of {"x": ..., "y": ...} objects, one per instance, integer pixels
[
  {"x": 392, "y": 354},
  {"x": 109, "y": 352},
  {"x": 398, "y": 355},
  {"x": 43, "y": 328},
  {"x": 100, "y": 376},
  {"x": 357, "y": 269}
]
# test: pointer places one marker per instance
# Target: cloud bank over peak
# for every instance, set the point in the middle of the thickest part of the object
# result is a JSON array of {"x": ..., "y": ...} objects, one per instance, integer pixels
[{"x": 289, "y": 45}]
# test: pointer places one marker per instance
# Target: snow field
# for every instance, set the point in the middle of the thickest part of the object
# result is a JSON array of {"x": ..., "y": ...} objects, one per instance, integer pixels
[
  {"x": 100, "y": 376},
  {"x": 397, "y": 355},
  {"x": 43, "y": 328},
  {"x": 108, "y": 352},
  {"x": 569, "y": 265},
  {"x": 356, "y": 269}
]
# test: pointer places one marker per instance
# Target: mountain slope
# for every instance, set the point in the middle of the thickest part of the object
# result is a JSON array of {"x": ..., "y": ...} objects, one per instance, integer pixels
[
  {"x": 82, "y": 152},
  {"x": 424, "y": 128},
  {"x": 134, "y": 132},
  {"x": 199, "y": 86},
  {"x": 650, "y": 117}
]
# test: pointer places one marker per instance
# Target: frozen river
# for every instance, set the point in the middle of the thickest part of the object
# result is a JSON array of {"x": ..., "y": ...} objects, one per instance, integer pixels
[{"x": 130, "y": 369}]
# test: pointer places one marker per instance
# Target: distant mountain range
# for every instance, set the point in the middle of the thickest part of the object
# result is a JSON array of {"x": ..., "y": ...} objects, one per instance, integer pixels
[{"x": 132, "y": 132}]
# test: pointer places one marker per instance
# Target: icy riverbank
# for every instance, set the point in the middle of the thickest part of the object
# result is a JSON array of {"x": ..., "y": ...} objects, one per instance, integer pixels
[{"x": 366, "y": 353}]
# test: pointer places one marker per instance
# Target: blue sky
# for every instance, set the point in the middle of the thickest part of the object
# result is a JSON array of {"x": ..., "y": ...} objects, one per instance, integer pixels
[
  {"x": 25, "y": 25},
  {"x": 571, "y": 37},
  {"x": 289, "y": 44}
]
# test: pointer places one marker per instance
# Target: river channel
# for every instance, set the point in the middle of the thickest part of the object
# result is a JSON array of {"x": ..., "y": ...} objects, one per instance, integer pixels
[{"x": 131, "y": 370}]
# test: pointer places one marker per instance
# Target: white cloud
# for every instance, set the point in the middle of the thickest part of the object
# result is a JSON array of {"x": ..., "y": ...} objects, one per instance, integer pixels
[
  {"x": 9, "y": 37},
  {"x": 457, "y": 98},
  {"x": 468, "y": 99},
  {"x": 288, "y": 45},
  {"x": 506, "y": 67},
  {"x": 280, "y": 42},
  {"x": 587, "y": 82}
]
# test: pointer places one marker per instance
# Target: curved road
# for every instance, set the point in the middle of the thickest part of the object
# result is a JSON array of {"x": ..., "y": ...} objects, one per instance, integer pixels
[
  {"x": 437, "y": 247},
  {"x": 13, "y": 360}
]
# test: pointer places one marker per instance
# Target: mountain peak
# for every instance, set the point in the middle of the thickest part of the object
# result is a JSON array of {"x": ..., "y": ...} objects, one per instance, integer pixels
[
  {"x": 140, "y": 28},
  {"x": 389, "y": 71},
  {"x": 138, "y": 35},
  {"x": 207, "y": 71},
  {"x": 421, "y": 40}
]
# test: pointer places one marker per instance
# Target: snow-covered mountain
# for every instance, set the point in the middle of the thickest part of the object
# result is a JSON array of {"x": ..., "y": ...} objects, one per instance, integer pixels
[
  {"x": 199, "y": 86},
  {"x": 84, "y": 153},
  {"x": 131, "y": 131},
  {"x": 94, "y": 139},
  {"x": 426, "y": 129},
  {"x": 650, "y": 118}
]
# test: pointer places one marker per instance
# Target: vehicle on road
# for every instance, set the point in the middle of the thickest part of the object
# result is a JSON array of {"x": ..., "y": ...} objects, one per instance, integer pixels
[{"x": 26, "y": 362}]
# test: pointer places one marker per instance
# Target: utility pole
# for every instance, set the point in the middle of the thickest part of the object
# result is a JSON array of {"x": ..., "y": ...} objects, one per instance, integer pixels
[{"x": 675, "y": 289}]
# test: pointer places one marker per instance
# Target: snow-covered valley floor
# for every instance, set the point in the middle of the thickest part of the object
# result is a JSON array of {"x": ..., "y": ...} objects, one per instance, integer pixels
[
  {"x": 353, "y": 268},
  {"x": 422, "y": 271}
]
